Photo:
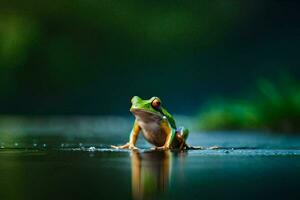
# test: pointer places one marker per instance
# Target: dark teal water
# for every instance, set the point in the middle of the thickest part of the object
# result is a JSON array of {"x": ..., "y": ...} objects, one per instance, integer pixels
[
  {"x": 30, "y": 174},
  {"x": 59, "y": 166}
]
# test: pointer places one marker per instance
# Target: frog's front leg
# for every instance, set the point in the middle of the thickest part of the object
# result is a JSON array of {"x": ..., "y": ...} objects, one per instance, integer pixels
[
  {"x": 132, "y": 138},
  {"x": 170, "y": 133}
]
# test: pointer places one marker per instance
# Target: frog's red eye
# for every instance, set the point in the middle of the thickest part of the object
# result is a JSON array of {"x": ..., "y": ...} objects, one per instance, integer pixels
[{"x": 156, "y": 104}]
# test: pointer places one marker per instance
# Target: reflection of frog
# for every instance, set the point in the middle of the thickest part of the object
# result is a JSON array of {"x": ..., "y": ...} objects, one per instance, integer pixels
[
  {"x": 157, "y": 125},
  {"x": 150, "y": 174}
]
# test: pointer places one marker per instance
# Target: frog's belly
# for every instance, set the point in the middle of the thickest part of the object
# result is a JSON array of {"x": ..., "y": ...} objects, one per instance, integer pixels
[{"x": 153, "y": 133}]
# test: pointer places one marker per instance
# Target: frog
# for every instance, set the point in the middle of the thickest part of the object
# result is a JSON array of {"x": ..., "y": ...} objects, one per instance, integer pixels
[{"x": 157, "y": 126}]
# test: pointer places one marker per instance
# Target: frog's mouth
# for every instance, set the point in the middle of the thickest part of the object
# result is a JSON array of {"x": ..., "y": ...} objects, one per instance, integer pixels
[{"x": 145, "y": 115}]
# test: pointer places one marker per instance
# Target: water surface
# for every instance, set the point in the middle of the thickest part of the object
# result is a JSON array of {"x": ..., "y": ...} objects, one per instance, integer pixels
[{"x": 44, "y": 162}]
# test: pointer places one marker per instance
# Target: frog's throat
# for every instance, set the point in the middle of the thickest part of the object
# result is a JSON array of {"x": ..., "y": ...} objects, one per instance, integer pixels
[{"x": 137, "y": 111}]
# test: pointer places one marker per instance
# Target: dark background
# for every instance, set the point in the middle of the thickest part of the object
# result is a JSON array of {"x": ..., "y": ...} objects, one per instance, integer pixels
[{"x": 91, "y": 57}]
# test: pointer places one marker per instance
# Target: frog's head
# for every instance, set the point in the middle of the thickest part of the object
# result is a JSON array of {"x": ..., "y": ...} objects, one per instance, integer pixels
[{"x": 150, "y": 106}]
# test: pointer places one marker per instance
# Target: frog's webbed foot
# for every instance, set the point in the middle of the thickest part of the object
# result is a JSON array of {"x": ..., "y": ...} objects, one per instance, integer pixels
[
  {"x": 187, "y": 147},
  {"x": 213, "y": 148},
  {"x": 125, "y": 146},
  {"x": 201, "y": 148}
]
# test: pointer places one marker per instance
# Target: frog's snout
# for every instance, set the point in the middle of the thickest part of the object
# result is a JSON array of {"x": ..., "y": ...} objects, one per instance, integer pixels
[{"x": 135, "y": 99}]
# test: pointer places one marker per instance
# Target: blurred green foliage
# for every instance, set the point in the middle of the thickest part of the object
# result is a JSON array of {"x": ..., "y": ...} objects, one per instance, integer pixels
[
  {"x": 228, "y": 116},
  {"x": 66, "y": 33},
  {"x": 92, "y": 56},
  {"x": 274, "y": 106}
]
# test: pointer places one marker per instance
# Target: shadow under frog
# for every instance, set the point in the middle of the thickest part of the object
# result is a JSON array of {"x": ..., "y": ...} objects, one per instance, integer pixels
[{"x": 151, "y": 173}]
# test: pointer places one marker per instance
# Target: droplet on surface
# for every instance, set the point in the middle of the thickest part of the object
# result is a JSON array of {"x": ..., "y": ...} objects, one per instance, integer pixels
[{"x": 92, "y": 149}]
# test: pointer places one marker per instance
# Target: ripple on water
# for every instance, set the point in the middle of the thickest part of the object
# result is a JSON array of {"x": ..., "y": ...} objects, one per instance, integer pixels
[
  {"x": 248, "y": 152},
  {"x": 222, "y": 151}
]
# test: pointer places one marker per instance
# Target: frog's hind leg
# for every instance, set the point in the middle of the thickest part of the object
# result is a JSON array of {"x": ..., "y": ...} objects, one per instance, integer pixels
[{"x": 183, "y": 134}]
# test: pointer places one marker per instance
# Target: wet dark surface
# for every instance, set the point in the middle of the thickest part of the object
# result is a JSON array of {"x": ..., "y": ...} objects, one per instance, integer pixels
[
  {"x": 52, "y": 166},
  {"x": 212, "y": 174}
]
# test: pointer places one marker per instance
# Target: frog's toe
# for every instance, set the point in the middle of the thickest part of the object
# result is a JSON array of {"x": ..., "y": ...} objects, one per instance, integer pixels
[
  {"x": 213, "y": 148},
  {"x": 125, "y": 146},
  {"x": 132, "y": 147},
  {"x": 162, "y": 148}
]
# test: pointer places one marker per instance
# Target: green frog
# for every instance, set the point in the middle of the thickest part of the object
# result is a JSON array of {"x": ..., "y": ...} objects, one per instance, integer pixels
[{"x": 156, "y": 124}]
